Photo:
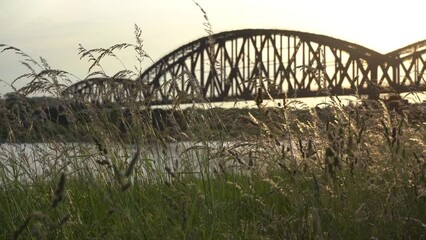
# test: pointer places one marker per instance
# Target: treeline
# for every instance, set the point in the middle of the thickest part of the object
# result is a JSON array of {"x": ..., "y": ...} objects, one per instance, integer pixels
[
  {"x": 44, "y": 119},
  {"x": 25, "y": 119}
]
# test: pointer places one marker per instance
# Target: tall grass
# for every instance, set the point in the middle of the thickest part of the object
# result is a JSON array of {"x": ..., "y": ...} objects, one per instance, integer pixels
[{"x": 76, "y": 171}]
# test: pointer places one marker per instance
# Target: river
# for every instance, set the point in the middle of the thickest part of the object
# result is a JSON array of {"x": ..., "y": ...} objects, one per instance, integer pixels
[{"x": 33, "y": 161}]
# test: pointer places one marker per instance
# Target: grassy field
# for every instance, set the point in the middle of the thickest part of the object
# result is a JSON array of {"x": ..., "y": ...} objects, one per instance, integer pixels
[
  {"x": 357, "y": 174},
  {"x": 338, "y": 172}
]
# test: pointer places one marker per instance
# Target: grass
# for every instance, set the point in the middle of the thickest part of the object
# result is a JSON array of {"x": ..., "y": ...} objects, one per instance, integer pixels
[
  {"x": 275, "y": 205},
  {"x": 342, "y": 172},
  {"x": 342, "y": 179}
]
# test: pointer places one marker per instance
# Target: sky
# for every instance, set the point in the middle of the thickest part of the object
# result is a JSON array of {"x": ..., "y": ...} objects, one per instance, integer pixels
[{"x": 53, "y": 29}]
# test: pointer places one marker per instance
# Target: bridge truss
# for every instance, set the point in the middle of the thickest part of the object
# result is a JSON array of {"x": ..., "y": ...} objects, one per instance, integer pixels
[{"x": 239, "y": 64}]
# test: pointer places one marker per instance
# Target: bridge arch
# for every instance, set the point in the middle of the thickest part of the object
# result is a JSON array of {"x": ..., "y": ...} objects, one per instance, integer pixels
[
  {"x": 105, "y": 90},
  {"x": 237, "y": 64},
  {"x": 406, "y": 68},
  {"x": 233, "y": 65}
]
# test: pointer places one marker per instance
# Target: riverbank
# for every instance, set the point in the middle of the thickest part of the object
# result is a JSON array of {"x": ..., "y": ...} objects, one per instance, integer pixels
[{"x": 302, "y": 205}]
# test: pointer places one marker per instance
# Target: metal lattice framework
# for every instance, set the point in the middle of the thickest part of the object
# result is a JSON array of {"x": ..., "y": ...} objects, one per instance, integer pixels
[
  {"x": 405, "y": 68},
  {"x": 235, "y": 65},
  {"x": 104, "y": 90}
]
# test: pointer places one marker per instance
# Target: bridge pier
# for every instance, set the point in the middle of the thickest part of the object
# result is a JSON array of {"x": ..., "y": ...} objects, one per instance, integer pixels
[{"x": 373, "y": 92}]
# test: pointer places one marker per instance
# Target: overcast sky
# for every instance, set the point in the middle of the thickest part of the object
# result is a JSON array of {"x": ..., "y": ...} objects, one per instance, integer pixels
[{"x": 53, "y": 28}]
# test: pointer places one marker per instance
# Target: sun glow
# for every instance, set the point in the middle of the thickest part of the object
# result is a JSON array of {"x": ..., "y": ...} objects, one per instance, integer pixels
[{"x": 377, "y": 25}]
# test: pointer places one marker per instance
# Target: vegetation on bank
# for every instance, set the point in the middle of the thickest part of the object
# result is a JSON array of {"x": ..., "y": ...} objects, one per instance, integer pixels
[
  {"x": 41, "y": 119},
  {"x": 359, "y": 174},
  {"x": 339, "y": 172}
]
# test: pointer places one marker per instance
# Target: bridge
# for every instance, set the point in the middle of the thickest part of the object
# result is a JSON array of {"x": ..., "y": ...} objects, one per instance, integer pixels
[{"x": 239, "y": 65}]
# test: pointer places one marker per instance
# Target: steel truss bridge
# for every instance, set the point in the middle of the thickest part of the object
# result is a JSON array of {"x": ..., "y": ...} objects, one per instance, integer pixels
[{"x": 239, "y": 65}]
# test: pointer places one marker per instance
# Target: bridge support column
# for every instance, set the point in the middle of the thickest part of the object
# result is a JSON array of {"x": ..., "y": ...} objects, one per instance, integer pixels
[{"x": 373, "y": 92}]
